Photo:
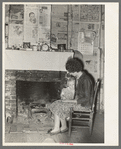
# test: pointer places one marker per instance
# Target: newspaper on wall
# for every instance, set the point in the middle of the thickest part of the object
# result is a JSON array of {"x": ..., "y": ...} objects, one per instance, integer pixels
[{"x": 37, "y": 23}]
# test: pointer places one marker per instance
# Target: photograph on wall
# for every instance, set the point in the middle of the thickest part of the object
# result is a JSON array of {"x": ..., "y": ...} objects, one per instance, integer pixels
[{"x": 54, "y": 74}]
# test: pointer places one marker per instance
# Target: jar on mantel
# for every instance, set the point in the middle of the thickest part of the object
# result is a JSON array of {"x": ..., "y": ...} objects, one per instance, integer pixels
[{"x": 34, "y": 48}]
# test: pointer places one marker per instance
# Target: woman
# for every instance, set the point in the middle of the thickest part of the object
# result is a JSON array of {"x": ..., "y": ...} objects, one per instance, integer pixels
[{"x": 83, "y": 96}]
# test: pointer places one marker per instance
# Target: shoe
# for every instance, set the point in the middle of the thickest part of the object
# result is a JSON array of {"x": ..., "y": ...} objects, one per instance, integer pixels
[
  {"x": 64, "y": 130},
  {"x": 54, "y": 133},
  {"x": 49, "y": 130}
]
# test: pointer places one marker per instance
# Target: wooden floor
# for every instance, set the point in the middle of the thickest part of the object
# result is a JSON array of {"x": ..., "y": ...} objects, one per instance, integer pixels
[
  {"x": 78, "y": 136},
  {"x": 82, "y": 135}
]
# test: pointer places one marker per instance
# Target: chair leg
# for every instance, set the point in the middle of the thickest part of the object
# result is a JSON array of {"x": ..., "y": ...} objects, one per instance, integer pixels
[
  {"x": 69, "y": 128},
  {"x": 70, "y": 122},
  {"x": 90, "y": 128},
  {"x": 91, "y": 123}
]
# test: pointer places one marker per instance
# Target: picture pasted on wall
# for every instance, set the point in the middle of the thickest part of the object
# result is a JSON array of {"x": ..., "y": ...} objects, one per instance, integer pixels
[
  {"x": 31, "y": 34},
  {"x": 89, "y": 13},
  {"x": 58, "y": 11},
  {"x": 35, "y": 32},
  {"x": 62, "y": 36},
  {"x": 53, "y": 38},
  {"x": 44, "y": 33},
  {"x": 16, "y": 21},
  {"x": 16, "y": 12},
  {"x": 93, "y": 30},
  {"x": 37, "y": 24},
  {"x": 44, "y": 15},
  {"x": 75, "y": 12},
  {"x": 88, "y": 26},
  {"x": 16, "y": 33},
  {"x": 63, "y": 27},
  {"x": 84, "y": 46},
  {"x": 59, "y": 26},
  {"x": 31, "y": 17},
  {"x": 93, "y": 13}
]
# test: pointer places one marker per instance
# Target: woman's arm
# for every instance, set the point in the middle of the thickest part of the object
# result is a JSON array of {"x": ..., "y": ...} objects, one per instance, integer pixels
[{"x": 84, "y": 97}]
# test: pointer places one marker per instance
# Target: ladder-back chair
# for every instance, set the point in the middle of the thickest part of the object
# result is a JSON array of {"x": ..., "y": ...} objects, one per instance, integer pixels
[{"x": 84, "y": 119}]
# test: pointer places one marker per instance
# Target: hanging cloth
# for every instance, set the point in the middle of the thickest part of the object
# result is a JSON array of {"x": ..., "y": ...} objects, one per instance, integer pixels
[{"x": 78, "y": 55}]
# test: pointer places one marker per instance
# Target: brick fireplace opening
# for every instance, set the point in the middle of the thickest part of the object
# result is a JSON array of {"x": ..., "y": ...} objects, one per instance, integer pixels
[
  {"x": 31, "y": 86},
  {"x": 35, "y": 94}
]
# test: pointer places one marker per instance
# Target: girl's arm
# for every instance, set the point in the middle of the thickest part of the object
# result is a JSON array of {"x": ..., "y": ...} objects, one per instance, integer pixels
[{"x": 72, "y": 101}]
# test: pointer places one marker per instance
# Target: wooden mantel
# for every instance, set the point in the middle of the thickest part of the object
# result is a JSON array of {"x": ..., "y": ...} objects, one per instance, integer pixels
[{"x": 35, "y": 60}]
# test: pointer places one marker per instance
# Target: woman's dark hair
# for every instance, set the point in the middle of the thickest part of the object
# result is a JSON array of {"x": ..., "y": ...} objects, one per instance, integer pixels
[{"x": 74, "y": 65}]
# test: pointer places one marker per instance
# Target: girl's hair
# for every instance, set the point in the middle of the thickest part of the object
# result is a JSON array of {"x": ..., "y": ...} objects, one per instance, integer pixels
[
  {"x": 74, "y": 65},
  {"x": 71, "y": 79}
]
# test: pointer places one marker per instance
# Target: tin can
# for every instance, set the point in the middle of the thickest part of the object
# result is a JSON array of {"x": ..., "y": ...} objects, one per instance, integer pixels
[{"x": 34, "y": 48}]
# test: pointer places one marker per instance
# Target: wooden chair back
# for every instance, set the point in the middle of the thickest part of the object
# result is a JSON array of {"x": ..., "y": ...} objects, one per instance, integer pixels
[{"x": 95, "y": 92}]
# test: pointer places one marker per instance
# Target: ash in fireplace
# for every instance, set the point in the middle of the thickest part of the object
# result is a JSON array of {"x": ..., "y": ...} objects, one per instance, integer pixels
[{"x": 33, "y": 113}]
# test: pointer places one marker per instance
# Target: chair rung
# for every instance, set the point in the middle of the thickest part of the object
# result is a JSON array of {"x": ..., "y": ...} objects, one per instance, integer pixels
[
  {"x": 80, "y": 119},
  {"x": 82, "y": 113},
  {"x": 80, "y": 126},
  {"x": 85, "y": 113}
]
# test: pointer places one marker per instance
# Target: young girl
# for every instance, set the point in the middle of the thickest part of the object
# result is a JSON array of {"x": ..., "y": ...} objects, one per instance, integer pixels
[{"x": 68, "y": 92}]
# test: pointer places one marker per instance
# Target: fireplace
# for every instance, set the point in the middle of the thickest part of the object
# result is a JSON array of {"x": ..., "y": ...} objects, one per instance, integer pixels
[
  {"x": 33, "y": 86},
  {"x": 39, "y": 93},
  {"x": 28, "y": 92}
]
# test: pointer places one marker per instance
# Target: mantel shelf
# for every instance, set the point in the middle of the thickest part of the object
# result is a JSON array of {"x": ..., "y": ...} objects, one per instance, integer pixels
[{"x": 35, "y": 60}]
